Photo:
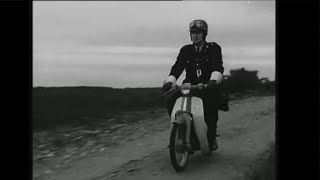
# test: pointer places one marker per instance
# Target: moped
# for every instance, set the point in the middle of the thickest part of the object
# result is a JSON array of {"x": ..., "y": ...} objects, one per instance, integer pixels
[{"x": 188, "y": 127}]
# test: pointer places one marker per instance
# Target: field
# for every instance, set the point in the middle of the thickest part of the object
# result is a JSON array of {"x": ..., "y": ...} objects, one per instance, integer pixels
[
  {"x": 72, "y": 106},
  {"x": 267, "y": 170},
  {"x": 53, "y": 107}
]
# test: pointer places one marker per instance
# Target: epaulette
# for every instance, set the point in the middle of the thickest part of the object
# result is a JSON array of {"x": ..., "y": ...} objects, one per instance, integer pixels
[{"x": 212, "y": 44}]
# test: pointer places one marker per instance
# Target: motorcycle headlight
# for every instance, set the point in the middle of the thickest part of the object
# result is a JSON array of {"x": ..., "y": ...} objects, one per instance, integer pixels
[{"x": 185, "y": 91}]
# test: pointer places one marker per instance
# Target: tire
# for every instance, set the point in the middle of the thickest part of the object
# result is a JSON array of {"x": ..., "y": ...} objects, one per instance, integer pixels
[{"x": 179, "y": 164}]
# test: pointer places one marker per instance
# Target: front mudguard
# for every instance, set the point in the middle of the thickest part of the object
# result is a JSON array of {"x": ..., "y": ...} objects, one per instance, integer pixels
[{"x": 182, "y": 118}]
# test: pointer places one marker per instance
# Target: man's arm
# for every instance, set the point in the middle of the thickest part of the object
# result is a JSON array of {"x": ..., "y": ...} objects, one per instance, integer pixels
[
  {"x": 217, "y": 65},
  {"x": 178, "y": 67}
]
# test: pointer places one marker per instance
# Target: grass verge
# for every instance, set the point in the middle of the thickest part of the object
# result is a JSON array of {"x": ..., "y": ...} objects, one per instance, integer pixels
[{"x": 267, "y": 169}]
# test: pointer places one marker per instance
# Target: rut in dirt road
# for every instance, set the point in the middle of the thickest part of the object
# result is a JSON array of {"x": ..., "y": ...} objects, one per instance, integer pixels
[{"x": 246, "y": 132}]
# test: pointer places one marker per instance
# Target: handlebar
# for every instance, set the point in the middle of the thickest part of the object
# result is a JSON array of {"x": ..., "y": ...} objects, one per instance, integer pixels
[{"x": 176, "y": 87}]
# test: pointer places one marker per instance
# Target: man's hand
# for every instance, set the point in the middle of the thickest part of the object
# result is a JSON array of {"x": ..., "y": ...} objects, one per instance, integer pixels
[
  {"x": 212, "y": 84},
  {"x": 166, "y": 87},
  {"x": 186, "y": 85}
]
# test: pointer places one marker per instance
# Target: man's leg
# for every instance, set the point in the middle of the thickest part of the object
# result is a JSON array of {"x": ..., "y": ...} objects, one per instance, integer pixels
[
  {"x": 210, "y": 104},
  {"x": 171, "y": 100}
]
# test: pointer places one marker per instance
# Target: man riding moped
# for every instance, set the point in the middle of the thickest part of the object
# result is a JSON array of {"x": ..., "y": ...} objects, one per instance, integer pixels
[{"x": 202, "y": 61}]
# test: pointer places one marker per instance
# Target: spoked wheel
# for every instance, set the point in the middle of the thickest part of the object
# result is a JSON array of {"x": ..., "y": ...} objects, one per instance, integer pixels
[{"x": 179, "y": 153}]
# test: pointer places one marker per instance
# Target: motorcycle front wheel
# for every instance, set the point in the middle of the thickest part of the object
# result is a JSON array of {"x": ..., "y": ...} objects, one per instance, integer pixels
[{"x": 179, "y": 153}]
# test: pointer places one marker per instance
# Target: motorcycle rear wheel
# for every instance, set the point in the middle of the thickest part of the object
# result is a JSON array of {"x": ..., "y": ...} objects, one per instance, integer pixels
[{"x": 179, "y": 153}]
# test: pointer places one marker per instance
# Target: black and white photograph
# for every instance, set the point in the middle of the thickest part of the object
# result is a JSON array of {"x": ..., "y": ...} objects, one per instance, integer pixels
[{"x": 130, "y": 90}]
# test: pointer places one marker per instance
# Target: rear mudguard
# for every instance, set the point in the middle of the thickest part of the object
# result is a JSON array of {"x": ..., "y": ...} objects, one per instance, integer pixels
[{"x": 181, "y": 115}]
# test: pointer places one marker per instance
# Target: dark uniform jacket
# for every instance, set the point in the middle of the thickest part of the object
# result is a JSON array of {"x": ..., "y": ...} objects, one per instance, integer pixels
[{"x": 198, "y": 65}]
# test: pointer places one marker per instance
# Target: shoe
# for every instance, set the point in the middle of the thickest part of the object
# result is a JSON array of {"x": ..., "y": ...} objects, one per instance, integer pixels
[
  {"x": 213, "y": 145},
  {"x": 224, "y": 107},
  {"x": 190, "y": 149}
]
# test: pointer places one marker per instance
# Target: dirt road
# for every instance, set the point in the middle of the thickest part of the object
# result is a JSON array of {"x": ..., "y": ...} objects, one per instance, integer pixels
[{"x": 247, "y": 131}]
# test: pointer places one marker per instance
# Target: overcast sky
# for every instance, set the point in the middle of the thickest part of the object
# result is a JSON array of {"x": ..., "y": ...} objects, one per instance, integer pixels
[{"x": 134, "y": 43}]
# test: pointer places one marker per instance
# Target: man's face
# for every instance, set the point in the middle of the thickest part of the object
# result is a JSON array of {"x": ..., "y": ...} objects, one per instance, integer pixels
[{"x": 196, "y": 36}]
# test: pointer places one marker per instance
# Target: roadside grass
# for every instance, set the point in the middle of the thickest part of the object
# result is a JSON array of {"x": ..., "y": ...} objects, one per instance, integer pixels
[
  {"x": 73, "y": 106},
  {"x": 267, "y": 169}
]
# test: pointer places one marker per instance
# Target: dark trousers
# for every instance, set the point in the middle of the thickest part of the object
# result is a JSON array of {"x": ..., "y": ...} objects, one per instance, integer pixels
[
  {"x": 210, "y": 107},
  {"x": 210, "y": 98}
]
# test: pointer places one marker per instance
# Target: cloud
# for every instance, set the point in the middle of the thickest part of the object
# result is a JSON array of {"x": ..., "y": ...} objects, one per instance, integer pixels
[
  {"x": 91, "y": 42},
  {"x": 242, "y": 52},
  {"x": 128, "y": 55},
  {"x": 144, "y": 23},
  {"x": 123, "y": 50}
]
